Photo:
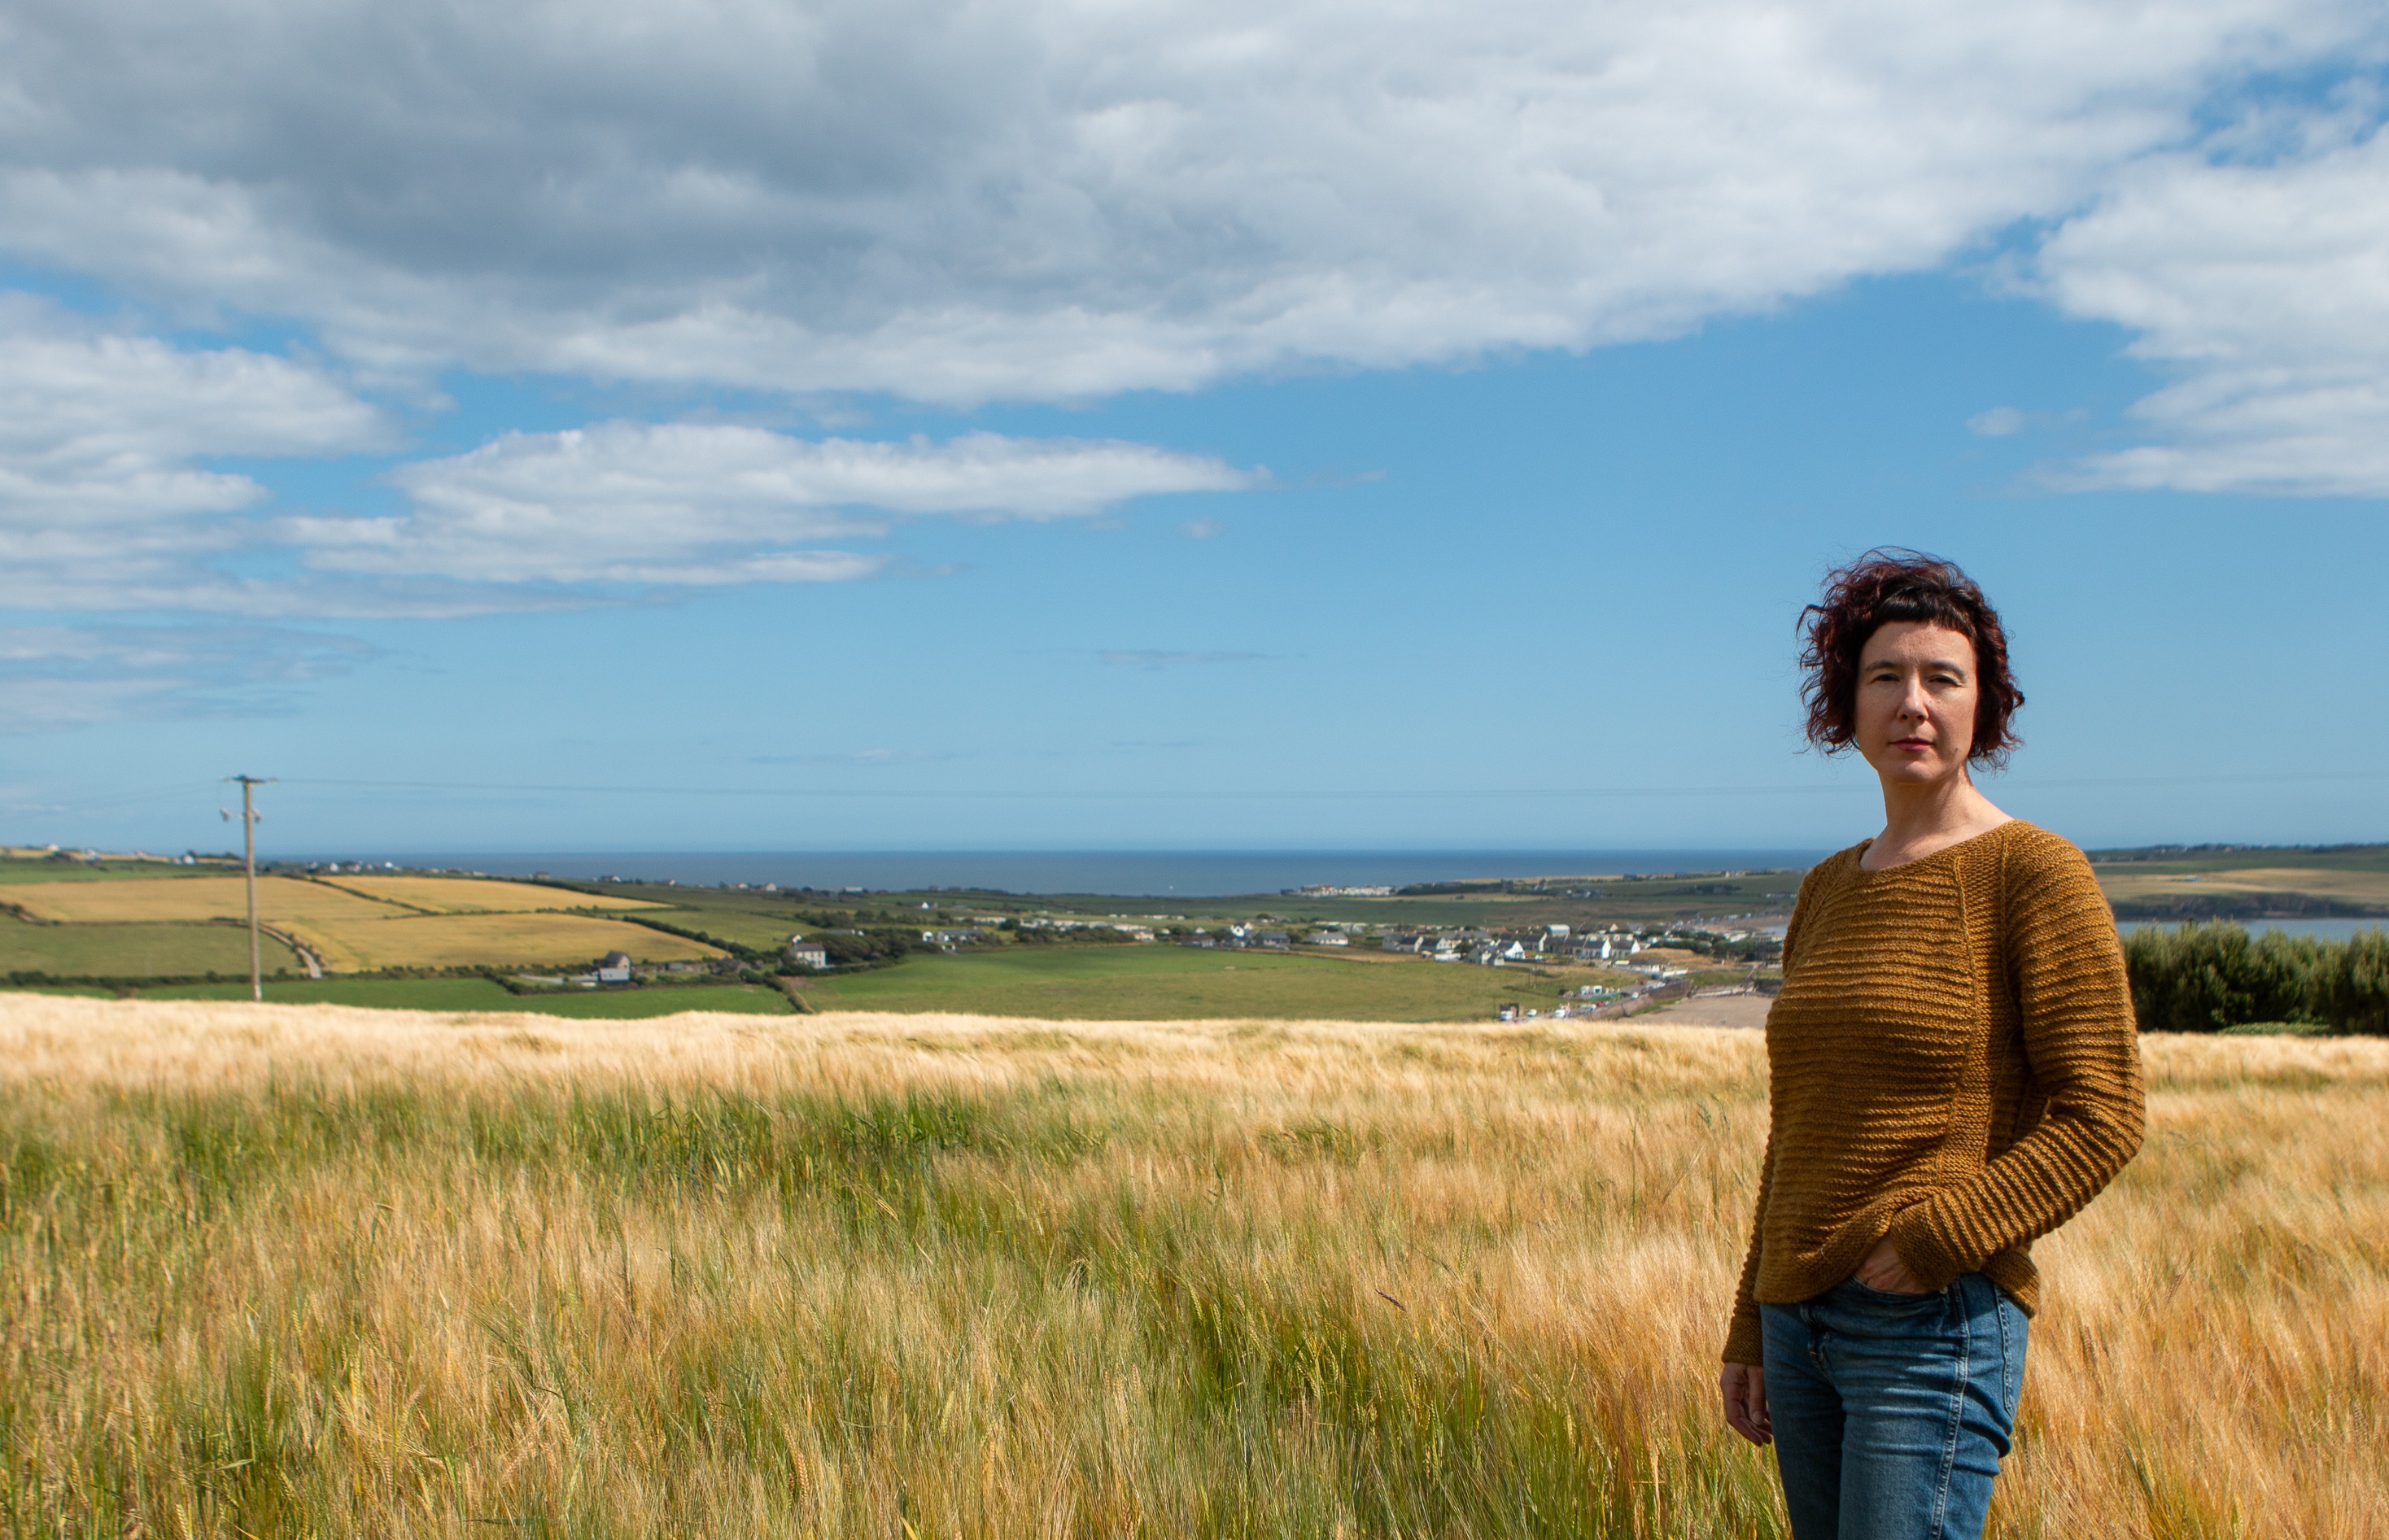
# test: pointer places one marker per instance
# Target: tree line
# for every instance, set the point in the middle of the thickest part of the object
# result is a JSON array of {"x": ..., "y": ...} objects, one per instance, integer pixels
[{"x": 2208, "y": 976}]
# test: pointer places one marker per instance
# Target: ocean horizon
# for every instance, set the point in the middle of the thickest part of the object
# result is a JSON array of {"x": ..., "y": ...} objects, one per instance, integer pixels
[{"x": 1126, "y": 874}]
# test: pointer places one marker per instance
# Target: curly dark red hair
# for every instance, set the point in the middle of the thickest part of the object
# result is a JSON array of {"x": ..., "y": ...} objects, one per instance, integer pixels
[{"x": 1887, "y": 585}]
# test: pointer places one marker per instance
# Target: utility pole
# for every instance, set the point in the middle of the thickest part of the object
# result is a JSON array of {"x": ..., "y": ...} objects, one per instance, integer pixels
[{"x": 248, "y": 784}]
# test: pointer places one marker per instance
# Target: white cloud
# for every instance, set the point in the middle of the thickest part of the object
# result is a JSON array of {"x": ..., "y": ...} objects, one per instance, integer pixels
[
  {"x": 107, "y": 499},
  {"x": 1065, "y": 198},
  {"x": 708, "y": 504},
  {"x": 1054, "y": 199},
  {"x": 104, "y": 499},
  {"x": 2264, "y": 289}
]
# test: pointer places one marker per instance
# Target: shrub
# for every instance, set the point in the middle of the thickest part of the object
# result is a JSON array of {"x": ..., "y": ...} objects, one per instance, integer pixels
[
  {"x": 2355, "y": 993},
  {"x": 2210, "y": 975}
]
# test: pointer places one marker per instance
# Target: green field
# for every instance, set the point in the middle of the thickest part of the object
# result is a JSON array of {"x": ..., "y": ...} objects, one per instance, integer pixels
[
  {"x": 480, "y": 993},
  {"x": 1094, "y": 983},
  {"x": 1159, "y": 983},
  {"x": 15, "y": 870},
  {"x": 134, "y": 949}
]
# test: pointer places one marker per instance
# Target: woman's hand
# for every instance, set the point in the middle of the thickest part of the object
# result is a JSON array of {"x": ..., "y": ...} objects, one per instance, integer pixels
[
  {"x": 1745, "y": 1402},
  {"x": 1883, "y": 1269}
]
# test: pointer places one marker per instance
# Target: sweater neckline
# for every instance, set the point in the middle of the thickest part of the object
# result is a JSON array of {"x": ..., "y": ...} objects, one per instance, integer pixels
[{"x": 1857, "y": 852}]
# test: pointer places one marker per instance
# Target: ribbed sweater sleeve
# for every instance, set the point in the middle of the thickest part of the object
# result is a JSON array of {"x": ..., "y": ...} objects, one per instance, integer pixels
[
  {"x": 2083, "y": 1068},
  {"x": 1743, "y": 1342},
  {"x": 1741, "y": 1338}
]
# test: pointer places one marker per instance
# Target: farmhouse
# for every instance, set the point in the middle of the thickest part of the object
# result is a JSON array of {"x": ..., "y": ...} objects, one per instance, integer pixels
[
  {"x": 614, "y": 968},
  {"x": 807, "y": 954}
]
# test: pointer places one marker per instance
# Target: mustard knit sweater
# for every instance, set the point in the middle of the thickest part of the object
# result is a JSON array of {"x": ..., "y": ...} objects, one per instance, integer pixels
[{"x": 1952, "y": 1064}]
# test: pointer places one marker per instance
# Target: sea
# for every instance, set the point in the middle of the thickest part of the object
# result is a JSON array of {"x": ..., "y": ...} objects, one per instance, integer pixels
[{"x": 1141, "y": 873}]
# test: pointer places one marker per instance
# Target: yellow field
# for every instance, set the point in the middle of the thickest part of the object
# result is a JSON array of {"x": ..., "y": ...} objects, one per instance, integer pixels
[
  {"x": 368, "y": 922},
  {"x": 2121, "y": 884},
  {"x": 318, "y": 1271},
  {"x": 477, "y": 896},
  {"x": 279, "y": 900},
  {"x": 521, "y": 940}
]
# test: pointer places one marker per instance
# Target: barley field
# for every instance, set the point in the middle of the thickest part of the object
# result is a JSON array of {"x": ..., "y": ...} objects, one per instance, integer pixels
[
  {"x": 475, "y": 895},
  {"x": 358, "y": 924},
  {"x": 318, "y": 1271},
  {"x": 516, "y": 940}
]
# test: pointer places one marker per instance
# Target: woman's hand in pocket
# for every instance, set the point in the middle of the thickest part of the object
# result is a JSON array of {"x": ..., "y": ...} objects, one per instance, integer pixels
[{"x": 1884, "y": 1271}]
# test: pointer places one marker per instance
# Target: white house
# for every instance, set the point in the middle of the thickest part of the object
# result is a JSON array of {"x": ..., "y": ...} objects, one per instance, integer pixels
[
  {"x": 614, "y": 968},
  {"x": 807, "y": 954}
]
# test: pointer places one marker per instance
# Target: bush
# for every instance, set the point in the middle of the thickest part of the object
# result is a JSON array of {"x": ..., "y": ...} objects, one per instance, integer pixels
[
  {"x": 866, "y": 948},
  {"x": 2208, "y": 976},
  {"x": 2355, "y": 984}
]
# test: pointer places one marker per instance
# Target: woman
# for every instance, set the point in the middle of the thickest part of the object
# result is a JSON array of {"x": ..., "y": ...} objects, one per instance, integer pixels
[{"x": 1952, "y": 1071}]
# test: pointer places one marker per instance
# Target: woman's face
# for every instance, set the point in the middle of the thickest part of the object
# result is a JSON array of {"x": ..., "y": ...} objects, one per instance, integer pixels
[{"x": 1916, "y": 702}]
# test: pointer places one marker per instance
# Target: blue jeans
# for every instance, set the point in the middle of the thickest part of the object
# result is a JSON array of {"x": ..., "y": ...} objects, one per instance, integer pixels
[{"x": 1892, "y": 1411}]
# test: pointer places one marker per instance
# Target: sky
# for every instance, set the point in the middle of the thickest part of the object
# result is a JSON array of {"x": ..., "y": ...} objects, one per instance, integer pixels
[{"x": 1071, "y": 425}]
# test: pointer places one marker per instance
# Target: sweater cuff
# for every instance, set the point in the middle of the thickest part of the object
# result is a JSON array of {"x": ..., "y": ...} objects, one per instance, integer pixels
[
  {"x": 1743, "y": 1342},
  {"x": 1933, "y": 1256}
]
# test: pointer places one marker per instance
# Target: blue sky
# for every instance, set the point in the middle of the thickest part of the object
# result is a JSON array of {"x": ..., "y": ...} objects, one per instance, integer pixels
[{"x": 1254, "y": 430}]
